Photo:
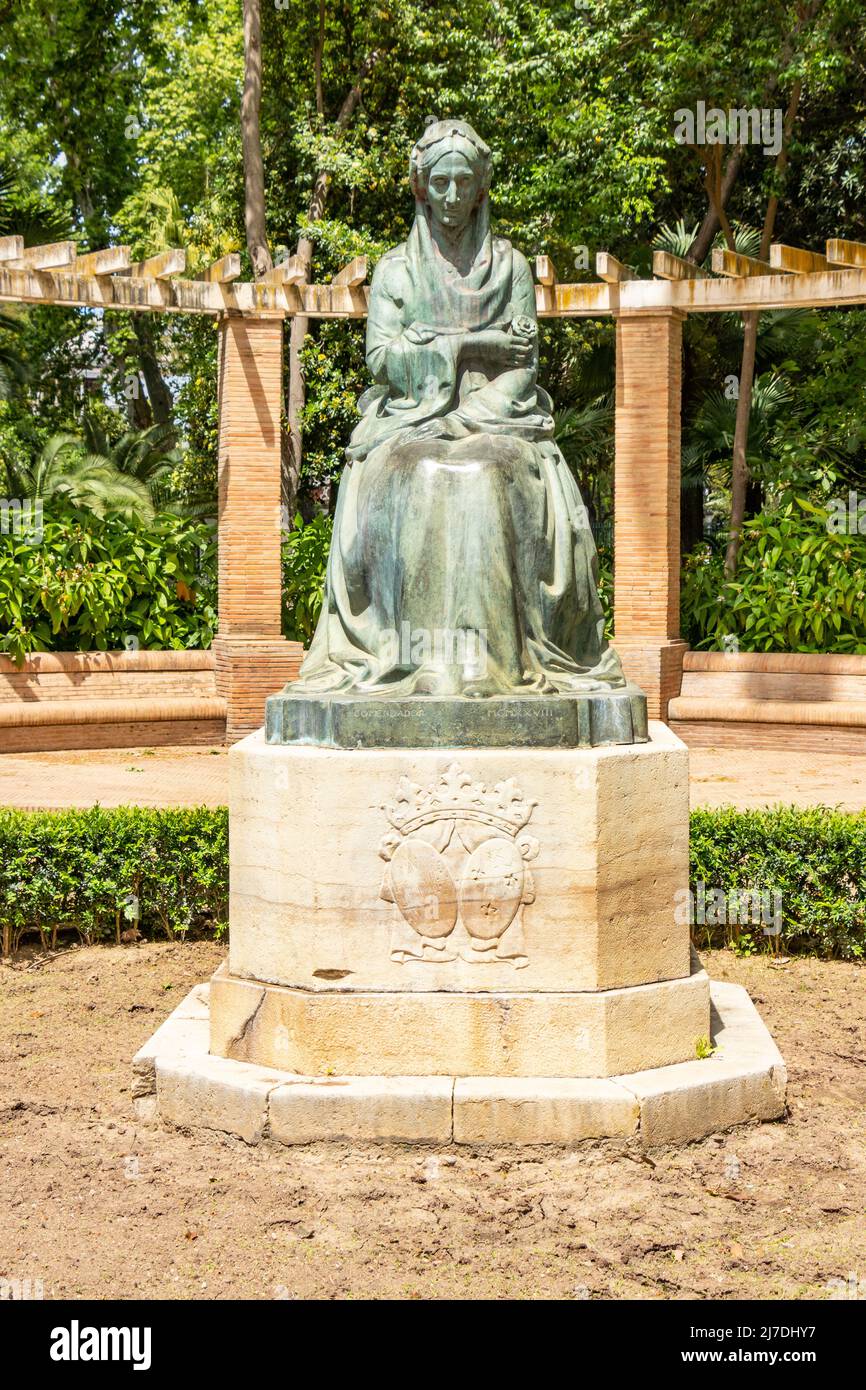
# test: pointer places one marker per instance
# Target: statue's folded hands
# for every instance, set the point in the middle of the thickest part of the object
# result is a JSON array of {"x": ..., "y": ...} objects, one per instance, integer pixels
[{"x": 499, "y": 346}]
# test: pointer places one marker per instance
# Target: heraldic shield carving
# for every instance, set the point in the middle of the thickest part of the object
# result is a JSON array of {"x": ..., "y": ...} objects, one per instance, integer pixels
[{"x": 457, "y": 859}]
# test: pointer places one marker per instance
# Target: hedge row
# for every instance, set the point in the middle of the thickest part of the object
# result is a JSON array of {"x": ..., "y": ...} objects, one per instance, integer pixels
[
  {"x": 813, "y": 858},
  {"x": 113, "y": 874},
  {"x": 106, "y": 874}
]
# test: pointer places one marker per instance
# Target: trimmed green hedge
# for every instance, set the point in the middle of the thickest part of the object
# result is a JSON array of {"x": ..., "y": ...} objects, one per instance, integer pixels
[
  {"x": 104, "y": 873},
  {"x": 814, "y": 858}
]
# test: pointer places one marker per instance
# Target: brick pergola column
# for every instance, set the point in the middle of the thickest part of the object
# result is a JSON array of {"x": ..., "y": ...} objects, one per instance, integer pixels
[
  {"x": 252, "y": 659},
  {"x": 647, "y": 502}
]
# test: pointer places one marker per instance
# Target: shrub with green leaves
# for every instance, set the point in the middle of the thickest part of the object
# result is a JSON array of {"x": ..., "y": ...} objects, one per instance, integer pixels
[
  {"x": 102, "y": 872},
  {"x": 799, "y": 587},
  {"x": 605, "y": 587},
  {"x": 88, "y": 583},
  {"x": 813, "y": 858},
  {"x": 305, "y": 562}
]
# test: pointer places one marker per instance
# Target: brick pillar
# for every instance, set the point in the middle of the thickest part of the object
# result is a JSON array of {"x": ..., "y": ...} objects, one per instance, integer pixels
[
  {"x": 647, "y": 502},
  {"x": 252, "y": 659}
]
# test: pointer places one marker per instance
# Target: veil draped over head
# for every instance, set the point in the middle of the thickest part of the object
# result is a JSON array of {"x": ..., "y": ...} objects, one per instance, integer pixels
[{"x": 453, "y": 303}]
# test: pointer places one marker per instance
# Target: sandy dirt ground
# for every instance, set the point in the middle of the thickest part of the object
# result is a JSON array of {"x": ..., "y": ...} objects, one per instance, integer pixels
[
  {"x": 199, "y": 777},
  {"x": 96, "y": 1206}
]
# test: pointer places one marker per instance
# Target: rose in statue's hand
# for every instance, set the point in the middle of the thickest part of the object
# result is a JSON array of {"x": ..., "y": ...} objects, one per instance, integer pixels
[{"x": 522, "y": 326}]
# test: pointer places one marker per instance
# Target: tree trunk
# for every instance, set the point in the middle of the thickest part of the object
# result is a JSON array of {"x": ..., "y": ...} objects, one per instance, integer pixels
[
  {"x": 739, "y": 467},
  {"x": 297, "y": 391},
  {"x": 138, "y": 408},
  {"x": 700, "y": 247},
  {"x": 159, "y": 395},
  {"x": 254, "y": 173}
]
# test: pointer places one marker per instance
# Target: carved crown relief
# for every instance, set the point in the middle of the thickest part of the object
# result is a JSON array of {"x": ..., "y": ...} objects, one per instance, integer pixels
[{"x": 457, "y": 872}]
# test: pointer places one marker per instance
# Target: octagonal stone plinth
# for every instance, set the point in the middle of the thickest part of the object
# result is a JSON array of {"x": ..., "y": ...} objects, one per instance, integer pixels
[
  {"x": 466, "y": 871},
  {"x": 385, "y": 1033}
]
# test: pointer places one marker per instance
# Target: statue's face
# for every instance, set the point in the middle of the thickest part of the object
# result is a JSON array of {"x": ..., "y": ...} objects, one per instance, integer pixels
[{"x": 452, "y": 191}]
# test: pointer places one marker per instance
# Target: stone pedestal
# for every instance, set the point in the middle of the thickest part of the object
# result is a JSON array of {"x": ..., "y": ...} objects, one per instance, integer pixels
[
  {"x": 413, "y": 927},
  {"x": 479, "y": 912}
]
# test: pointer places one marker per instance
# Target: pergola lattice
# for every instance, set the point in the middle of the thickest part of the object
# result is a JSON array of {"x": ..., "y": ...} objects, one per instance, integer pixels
[{"x": 252, "y": 659}]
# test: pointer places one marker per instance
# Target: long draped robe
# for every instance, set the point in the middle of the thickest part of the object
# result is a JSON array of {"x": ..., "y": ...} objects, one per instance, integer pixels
[{"x": 462, "y": 561}]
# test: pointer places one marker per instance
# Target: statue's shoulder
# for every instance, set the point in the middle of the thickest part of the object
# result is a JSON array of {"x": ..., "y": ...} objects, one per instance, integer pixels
[
  {"x": 519, "y": 263},
  {"x": 391, "y": 268}
]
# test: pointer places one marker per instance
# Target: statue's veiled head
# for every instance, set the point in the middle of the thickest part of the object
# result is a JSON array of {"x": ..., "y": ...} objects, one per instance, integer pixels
[{"x": 450, "y": 171}]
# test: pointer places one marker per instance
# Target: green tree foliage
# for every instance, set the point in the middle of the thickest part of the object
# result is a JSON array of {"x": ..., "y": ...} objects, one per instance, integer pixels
[
  {"x": 305, "y": 561},
  {"x": 85, "y": 583},
  {"x": 799, "y": 587}
]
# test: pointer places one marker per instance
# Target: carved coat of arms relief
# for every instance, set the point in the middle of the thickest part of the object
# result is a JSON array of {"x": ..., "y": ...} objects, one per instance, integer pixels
[{"x": 457, "y": 858}]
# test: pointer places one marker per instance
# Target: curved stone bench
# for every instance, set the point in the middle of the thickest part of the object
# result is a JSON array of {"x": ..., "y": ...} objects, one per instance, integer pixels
[
  {"x": 62, "y": 700},
  {"x": 804, "y": 701}
]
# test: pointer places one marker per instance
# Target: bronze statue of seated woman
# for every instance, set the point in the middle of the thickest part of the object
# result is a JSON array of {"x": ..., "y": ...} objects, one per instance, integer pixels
[{"x": 462, "y": 564}]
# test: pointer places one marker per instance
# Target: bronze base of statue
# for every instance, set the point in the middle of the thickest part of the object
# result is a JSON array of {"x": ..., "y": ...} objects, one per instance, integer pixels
[{"x": 582, "y": 719}]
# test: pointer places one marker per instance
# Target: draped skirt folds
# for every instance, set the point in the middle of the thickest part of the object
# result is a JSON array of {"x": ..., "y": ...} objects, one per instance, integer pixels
[{"x": 460, "y": 567}]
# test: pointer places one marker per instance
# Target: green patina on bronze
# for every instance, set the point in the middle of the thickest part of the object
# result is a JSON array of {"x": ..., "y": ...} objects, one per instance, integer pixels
[
  {"x": 461, "y": 600},
  {"x": 434, "y": 721}
]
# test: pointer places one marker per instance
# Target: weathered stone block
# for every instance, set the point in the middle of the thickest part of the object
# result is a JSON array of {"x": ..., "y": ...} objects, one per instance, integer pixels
[
  {"x": 413, "y": 1109},
  {"x": 482, "y": 870},
  {"x": 561, "y": 1111},
  {"x": 390, "y": 1033}
]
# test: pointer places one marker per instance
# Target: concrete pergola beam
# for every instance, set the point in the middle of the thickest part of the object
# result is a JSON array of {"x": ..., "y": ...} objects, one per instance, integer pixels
[
  {"x": 109, "y": 262},
  {"x": 795, "y": 261},
  {"x": 732, "y": 263},
  {"x": 614, "y": 272},
  {"x": 161, "y": 267},
  {"x": 158, "y": 291},
  {"x": 221, "y": 272},
  {"x": 47, "y": 257},
  {"x": 667, "y": 266},
  {"x": 840, "y": 252},
  {"x": 11, "y": 248}
]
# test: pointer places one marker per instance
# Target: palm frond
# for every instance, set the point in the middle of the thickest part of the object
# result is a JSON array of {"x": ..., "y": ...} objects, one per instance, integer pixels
[{"x": 676, "y": 240}]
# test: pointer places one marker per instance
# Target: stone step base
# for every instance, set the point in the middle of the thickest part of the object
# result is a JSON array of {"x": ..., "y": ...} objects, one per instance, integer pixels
[
  {"x": 431, "y": 1033},
  {"x": 178, "y": 1083}
]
